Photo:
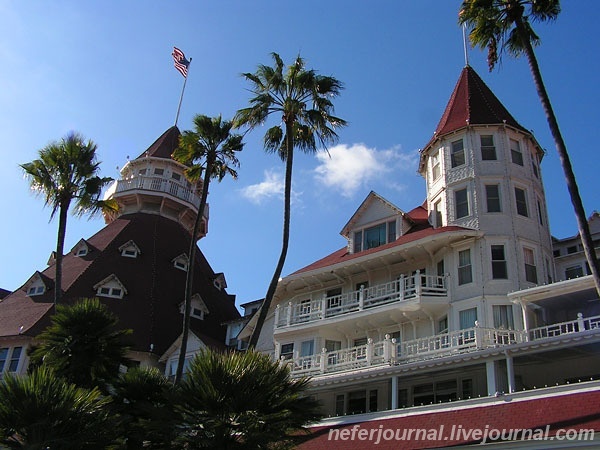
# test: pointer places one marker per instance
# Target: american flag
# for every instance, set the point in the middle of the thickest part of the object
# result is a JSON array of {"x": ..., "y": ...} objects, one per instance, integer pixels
[{"x": 181, "y": 64}]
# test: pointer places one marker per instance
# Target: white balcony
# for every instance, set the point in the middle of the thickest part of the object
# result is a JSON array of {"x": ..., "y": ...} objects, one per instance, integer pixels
[
  {"x": 157, "y": 184},
  {"x": 389, "y": 352},
  {"x": 410, "y": 289}
]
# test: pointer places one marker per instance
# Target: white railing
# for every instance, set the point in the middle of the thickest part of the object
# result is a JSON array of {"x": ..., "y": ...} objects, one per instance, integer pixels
[
  {"x": 405, "y": 288},
  {"x": 159, "y": 184},
  {"x": 390, "y": 352}
]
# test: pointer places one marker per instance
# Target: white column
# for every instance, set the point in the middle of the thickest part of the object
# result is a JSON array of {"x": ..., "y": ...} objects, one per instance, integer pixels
[
  {"x": 490, "y": 370},
  {"x": 510, "y": 373},
  {"x": 395, "y": 392}
]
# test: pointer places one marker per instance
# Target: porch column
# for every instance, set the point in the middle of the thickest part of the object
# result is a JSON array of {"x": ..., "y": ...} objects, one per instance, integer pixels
[
  {"x": 277, "y": 312},
  {"x": 324, "y": 306},
  {"x": 395, "y": 392},
  {"x": 490, "y": 371},
  {"x": 525, "y": 320},
  {"x": 361, "y": 298},
  {"x": 510, "y": 373},
  {"x": 289, "y": 314}
]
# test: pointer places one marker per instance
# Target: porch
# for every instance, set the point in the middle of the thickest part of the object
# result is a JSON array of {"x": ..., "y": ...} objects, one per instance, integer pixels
[
  {"x": 391, "y": 352},
  {"x": 407, "y": 290}
]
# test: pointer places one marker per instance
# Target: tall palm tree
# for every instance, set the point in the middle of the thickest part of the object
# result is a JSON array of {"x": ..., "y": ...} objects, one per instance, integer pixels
[
  {"x": 82, "y": 344},
  {"x": 303, "y": 99},
  {"x": 242, "y": 400},
  {"x": 66, "y": 172},
  {"x": 43, "y": 411},
  {"x": 505, "y": 25},
  {"x": 209, "y": 151}
]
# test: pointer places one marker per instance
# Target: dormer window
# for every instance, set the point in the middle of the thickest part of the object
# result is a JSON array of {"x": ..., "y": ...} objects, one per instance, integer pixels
[
  {"x": 81, "y": 248},
  {"x": 219, "y": 281},
  {"x": 181, "y": 262},
  {"x": 35, "y": 285},
  {"x": 375, "y": 236},
  {"x": 110, "y": 287},
  {"x": 130, "y": 250},
  {"x": 198, "y": 307}
]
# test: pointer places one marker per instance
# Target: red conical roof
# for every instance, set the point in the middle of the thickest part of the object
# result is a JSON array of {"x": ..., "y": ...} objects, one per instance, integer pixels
[
  {"x": 164, "y": 146},
  {"x": 473, "y": 103}
]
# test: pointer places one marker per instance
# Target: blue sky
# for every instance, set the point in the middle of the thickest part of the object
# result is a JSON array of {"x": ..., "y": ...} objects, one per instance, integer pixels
[{"x": 104, "y": 68}]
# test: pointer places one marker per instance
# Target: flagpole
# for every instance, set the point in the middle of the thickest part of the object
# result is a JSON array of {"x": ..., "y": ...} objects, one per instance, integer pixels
[{"x": 182, "y": 91}]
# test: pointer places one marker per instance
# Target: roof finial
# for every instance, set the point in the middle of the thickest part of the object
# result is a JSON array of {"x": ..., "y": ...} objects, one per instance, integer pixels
[{"x": 465, "y": 44}]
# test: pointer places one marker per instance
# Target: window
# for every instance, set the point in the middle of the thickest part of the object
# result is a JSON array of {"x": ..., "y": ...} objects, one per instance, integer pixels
[
  {"x": 503, "y": 317},
  {"x": 357, "y": 402},
  {"x": 530, "y": 269},
  {"x": 457, "y": 156},
  {"x": 435, "y": 166},
  {"x": 307, "y": 348},
  {"x": 13, "y": 365},
  {"x": 572, "y": 249},
  {"x": 287, "y": 351},
  {"x": 129, "y": 250},
  {"x": 515, "y": 152},
  {"x": 176, "y": 176},
  {"x": 462, "y": 203},
  {"x": 437, "y": 210},
  {"x": 35, "y": 290},
  {"x": 334, "y": 298},
  {"x": 467, "y": 318},
  {"x": 492, "y": 193},
  {"x": 358, "y": 242},
  {"x": 499, "y": 263},
  {"x": 158, "y": 171},
  {"x": 443, "y": 325},
  {"x": 373, "y": 400},
  {"x": 9, "y": 361},
  {"x": 540, "y": 214},
  {"x": 81, "y": 252},
  {"x": 375, "y": 236},
  {"x": 465, "y": 274},
  {"x": 391, "y": 226},
  {"x": 181, "y": 262},
  {"x": 110, "y": 287},
  {"x": 339, "y": 404},
  {"x": 521, "y": 200},
  {"x": 556, "y": 253},
  {"x": 488, "y": 151},
  {"x": 534, "y": 166},
  {"x": 573, "y": 272},
  {"x": 142, "y": 172}
]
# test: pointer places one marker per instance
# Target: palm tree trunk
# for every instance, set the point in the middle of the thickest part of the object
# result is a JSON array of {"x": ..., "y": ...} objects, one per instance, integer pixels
[
  {"x": 60, "y": 244},
  {"x": 582, "y": 223},
  {"x": 189, "y": 279},
  {"x": 286, "y": 237}
]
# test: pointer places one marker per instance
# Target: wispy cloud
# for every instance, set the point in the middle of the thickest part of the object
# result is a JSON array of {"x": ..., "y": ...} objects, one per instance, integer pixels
[
  {"x": 347, "y": 168},
  {"x": 271, "y": 186}
]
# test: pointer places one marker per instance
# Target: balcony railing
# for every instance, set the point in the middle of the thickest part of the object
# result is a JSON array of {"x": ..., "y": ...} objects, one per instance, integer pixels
[
  {"x": 404, "y": 289},
  {"x": 159, "y": 184},
  {"x": 390, "y": 352}
]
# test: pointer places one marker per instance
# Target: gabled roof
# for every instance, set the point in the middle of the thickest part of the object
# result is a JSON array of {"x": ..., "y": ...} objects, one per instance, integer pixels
[
  {"x": 472, "y": 103},
  {"x": 368, "y": 201},
  {"x": 164, "y": 146}
]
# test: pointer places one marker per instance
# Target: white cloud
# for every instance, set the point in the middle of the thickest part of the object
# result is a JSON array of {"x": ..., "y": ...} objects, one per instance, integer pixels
[
  {"x": 347, "y": 168},
  {"x": 272, "y": 186}
]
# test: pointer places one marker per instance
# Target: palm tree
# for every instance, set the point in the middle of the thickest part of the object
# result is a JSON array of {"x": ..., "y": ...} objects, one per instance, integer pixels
[
  {"x": 82, "y": 344},
  {"x": 43, "y": 411},
  {"x": 210, "y": 150},
  {"x": 143, "y": 401},
  {"x": 67, "y": 171},
  {"x": 242, "y": 400},
  {"x": 505, "y": 25},
  {"x": 303, "y": 98}
]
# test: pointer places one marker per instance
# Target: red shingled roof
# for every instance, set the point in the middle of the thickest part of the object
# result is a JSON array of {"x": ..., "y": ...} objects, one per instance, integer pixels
[
  {"x": 164, "y": 146},
  {"x": 154, "y": 286},
  {"x": 473, "y": 103},
  {"x": 343, "y": 255},
  {"x": 573, "y": 411}
]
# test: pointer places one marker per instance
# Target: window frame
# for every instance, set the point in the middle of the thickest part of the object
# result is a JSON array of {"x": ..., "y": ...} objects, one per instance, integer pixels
[
  {"x": 499, "y": 264},
  {"x": 516, "y": 153},
  {"x": 458, "y": 203},
  {"x": 489, "y": 197},
  {"x": 463, "y": 269},
  {"x": 521, "y": 204},
  {"x": 436, "y": 166},
  {"x": 488, "y": 148},
  {"x": 530, "y": 266},
  {"x": 455, "y": 159}
]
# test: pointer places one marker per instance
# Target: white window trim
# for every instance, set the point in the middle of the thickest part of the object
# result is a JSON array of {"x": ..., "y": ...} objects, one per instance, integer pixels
[
  {"x": 82, "y": 248},
  {"x": 181, "y": 262},
  {"x": 130, "y": 250},
  {"x": 35, "y": 285},
  {"x": 110, "y": 287}
]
